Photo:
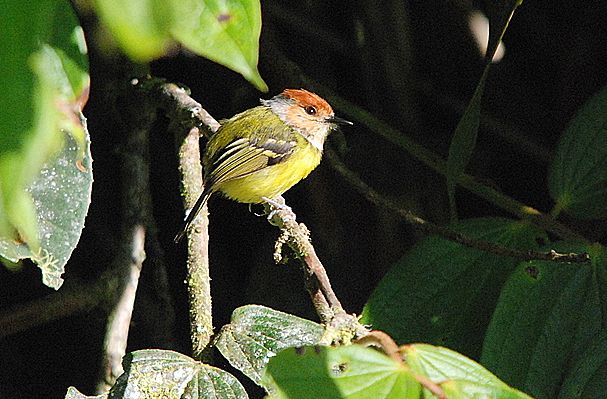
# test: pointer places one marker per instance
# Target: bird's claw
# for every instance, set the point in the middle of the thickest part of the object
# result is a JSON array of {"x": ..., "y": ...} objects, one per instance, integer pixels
[{"x": 278, "y": 205}]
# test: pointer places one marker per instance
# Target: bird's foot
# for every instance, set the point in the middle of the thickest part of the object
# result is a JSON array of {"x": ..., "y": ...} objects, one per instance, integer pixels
[{"x": 277, "y": 205}]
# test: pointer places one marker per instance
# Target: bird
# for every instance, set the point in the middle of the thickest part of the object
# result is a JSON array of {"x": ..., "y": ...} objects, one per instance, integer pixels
[{"x": 257, "y": 155}]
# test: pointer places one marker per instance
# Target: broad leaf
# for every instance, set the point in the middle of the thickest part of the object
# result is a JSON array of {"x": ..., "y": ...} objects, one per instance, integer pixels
[
  {"x": 224, "y": 31},
  {"x": 467, "y": 390},
  {"x": 171, "y": 375},
  {"x": 457, "y": 375},
  {"x": 256, "y": 333},
  {"x": 587, "y": 376},
  {"x": 140, "y": 27},
  {"x": 45, "y": 85},
  {"x": 441, "y": 364},
  {"x": 61, "y": 195},
  {"x": 443, "y": 293},
  {"x": 578, "y": 174},
  {"x": 345, "y": 372},
  {"x": 548, "y": 316}
]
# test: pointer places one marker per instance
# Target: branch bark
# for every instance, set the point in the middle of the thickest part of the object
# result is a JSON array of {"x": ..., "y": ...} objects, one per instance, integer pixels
[{"x": 188, "y": 122}]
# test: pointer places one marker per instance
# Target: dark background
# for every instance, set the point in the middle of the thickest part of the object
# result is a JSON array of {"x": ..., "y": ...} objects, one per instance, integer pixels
[{"x": 414, "y": 64}]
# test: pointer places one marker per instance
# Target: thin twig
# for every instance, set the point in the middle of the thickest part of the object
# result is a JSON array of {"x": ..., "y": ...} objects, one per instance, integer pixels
[
  {"x": 117, "y": 329},
  {"x": 383, "y": 341},
  {"x": 178, "y": 104},
  {"x": 70, "y": 300},
  {"x": 431, "y": 228},
  {"x": 341, "y": 327},
  {"x": 297, "y": 237},
  {"x": 386, "y": 343}
]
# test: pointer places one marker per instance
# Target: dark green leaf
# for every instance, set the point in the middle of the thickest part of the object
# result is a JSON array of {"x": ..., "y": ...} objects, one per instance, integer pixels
[
  {"x": 257, "y": 333},
  {"x": 578, "y": 174},
  {"x": 444, "y": 293},
  {"x": 547, "y": 317},
  {"x": 466, "y": 132},
  {"x": 587, "y": 377},
  {"x": 171, "y": 375},
  {"x": 464, "y": 140},
  {"x": 345, "y": 372}
]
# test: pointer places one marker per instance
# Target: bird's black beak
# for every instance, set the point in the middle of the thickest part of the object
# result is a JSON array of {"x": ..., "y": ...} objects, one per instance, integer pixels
[{"x": 338, "y": 121}]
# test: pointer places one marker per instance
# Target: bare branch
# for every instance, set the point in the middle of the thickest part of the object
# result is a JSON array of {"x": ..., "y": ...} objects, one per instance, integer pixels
[
  {"x": 188, "y": 120},
  {"x": 342, "y": 326},
  {"x": 431, "y": 228},
  {"x": 67, "y": 302},
  {"x": 117, "y": 329}
]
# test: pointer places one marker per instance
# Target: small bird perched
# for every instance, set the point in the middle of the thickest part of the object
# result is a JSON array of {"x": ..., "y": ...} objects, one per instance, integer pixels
[{"x": 257, "y": 155}]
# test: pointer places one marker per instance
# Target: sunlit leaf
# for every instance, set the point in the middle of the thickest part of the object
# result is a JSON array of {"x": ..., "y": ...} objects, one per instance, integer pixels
[
  {"x": 43, "y": 139},
  {"x": 155, "y": 373},
  {"x": 344, "y": 372},
  {"x": 457, "y": 375},
  {"x": 256, "y": 333},
  {"x": 224, "y": 31}
]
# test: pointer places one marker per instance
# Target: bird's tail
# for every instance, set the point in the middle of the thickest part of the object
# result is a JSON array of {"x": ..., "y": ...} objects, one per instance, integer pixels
[{"x": 204, "y": 197}]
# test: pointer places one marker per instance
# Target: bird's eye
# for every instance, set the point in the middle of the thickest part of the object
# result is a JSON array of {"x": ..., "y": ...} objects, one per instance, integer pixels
[{"x": 310, "y": 110}]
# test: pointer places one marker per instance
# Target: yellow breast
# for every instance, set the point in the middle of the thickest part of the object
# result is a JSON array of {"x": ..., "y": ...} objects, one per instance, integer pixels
[{"x": 273, "y": 180}]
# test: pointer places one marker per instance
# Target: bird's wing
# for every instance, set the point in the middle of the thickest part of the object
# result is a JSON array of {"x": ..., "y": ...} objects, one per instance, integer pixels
[{"x": 246, "y": 155}]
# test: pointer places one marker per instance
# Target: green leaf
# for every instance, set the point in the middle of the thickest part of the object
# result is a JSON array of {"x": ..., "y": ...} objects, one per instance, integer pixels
[
  {"x": 464, "y": 140},
  {"x": 61, "y": 196},
  {"x": 345, "y": 372},
  {"x": 458, "y": 376},
  {"x": 43, "y": 72},
  {"x": 256, "y": 333},
  {"x": 578, "y": 174},
  {"x": 444, "y": 293},
  {"x": 140, "y": 27},
  {"x": 466, "y": 132},
  {"x": 467, "y": 390},
  {"x": 547, "y": 317},
  {"x": 586, "y": 378},
  {"x": 441, "y": 364},
  {"x": 155, "y": 373},
  {"x": 224, "y": 31}
]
